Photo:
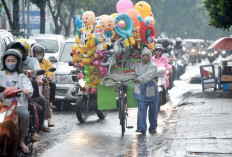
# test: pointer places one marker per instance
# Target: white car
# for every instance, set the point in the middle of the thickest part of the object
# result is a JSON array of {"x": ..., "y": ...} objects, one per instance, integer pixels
[
  {"x": 65, "y": 87},
  {"x": 53, "y": 43}
]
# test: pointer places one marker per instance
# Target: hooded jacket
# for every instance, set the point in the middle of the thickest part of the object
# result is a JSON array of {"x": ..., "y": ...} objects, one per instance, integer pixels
[{"x": 146, "y": 89}]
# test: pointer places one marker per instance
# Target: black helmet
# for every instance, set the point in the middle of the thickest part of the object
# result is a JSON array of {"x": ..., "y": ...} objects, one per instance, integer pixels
[
  {"x": 158, "y": 47},
  {"x": 38, "y": 47},
  {"x": 19, "y": 45},
  {"x": 15, "y": 53}
]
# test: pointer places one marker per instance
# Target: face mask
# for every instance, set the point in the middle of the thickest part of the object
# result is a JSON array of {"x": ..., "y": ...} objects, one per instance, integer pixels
[
  {"x": 10, "y": 66},
  {"x": 39, "y": 58}
]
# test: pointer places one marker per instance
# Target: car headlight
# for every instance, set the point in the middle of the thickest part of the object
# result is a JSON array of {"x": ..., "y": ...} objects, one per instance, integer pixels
[
  {"x": 62, "y": 78},
  {"x": 203, "y": 52},
  {"x": 82, "y": 83},
  {"x": 215, "y": 52},
  {"x": 193, "y": 50},
  {"x": 223, "y": 52}
]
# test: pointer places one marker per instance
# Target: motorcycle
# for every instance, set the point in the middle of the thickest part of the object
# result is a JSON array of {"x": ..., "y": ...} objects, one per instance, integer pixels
[
  {"x": 33, "y": 107},
  {"x": 163, "y": 96},
  {"x": 9, "y": 127},
  {"x": 86, "y": 101},
  {"x": 193, "y": 56},
  {"x": 211, "y": 56}
]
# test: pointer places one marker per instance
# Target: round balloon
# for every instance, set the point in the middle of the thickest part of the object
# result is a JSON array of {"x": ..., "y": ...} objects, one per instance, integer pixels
[
  {"x": 114, "y": 15},
  {"x": 151, "y": 20},
  {"x": 144, "y": 8},
  {"x": 124, "y": 5},
  {"x": 133, "y": 13}
]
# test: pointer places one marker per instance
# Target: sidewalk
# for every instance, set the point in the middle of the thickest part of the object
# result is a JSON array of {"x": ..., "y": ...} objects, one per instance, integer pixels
[{"x": 200, "y": 126}]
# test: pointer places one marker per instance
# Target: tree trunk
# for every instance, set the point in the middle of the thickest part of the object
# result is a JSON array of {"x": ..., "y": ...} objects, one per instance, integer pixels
[
  {"x": 16, "y": 15},
  {"x": 8, "y": 14},
  {"x": 56, "y": 17},
  {"x": 67, "y": 27},
  {"x": 42, "y": 20}
]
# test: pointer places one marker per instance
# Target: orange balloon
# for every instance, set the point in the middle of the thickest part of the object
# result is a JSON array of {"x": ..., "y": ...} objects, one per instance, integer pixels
[{"x": 133, "y": 13}]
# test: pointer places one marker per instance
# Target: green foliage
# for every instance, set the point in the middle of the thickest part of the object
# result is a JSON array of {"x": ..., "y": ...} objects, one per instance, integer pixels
[
  {"x": 220, "y": 12},
  {"x": 187, "y": 19}
]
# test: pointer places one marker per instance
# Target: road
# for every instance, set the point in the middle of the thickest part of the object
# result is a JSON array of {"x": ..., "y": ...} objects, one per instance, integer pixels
[{"x": 103, "y": 137}]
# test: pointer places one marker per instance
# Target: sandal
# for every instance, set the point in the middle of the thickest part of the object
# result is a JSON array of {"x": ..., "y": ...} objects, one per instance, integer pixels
[
  {"x": 51, "y": 125},
  {"x": 35, "y": 137},
  {"x": 44, "y": 129}
]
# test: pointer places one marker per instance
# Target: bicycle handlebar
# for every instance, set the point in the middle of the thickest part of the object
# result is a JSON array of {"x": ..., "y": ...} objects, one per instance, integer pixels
[{"x": 121, "y": 81}]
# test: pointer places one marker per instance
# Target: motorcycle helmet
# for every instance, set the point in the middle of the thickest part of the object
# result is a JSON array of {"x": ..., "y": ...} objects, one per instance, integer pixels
[
  {"x": 18, "y": 45},
  {"x": 27, "y": 45},
  {"x": 15, "y": 53},
  {"x": 38, "y": 47},
  {"x": 178, "y": 41},
  {"x": 158, "y": 47}
]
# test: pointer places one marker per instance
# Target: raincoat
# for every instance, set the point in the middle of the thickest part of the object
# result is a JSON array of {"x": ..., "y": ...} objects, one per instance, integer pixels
[{"x": 163, "y": 62}]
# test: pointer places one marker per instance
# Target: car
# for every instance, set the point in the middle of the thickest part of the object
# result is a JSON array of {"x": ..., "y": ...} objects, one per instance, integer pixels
[
  {"x": 53, "y": 44},
  {"x": 5, "y": 39},
  {"x": 65, "y": 87}
]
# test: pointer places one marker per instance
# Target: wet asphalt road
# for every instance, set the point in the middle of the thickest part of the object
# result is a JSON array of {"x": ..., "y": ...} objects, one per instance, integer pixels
[
  {"x": 103, "y": 137},
  {"x": 96, "y": 137}
]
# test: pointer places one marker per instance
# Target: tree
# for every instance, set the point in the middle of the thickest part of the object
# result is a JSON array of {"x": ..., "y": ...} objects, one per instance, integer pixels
[
  {"x": 41, "y": 4},
  {"x": 14, "y": 25},
  {"x": 56, "y": 13},
  {"x": 220, "y": 12}
]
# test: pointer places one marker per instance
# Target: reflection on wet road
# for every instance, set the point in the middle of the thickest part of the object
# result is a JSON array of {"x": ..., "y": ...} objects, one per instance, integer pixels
[{"x": 96, "y": 137}]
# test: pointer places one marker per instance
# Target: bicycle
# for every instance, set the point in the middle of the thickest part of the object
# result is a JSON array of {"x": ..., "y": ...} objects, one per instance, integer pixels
[{"x": 121, "y": 99}]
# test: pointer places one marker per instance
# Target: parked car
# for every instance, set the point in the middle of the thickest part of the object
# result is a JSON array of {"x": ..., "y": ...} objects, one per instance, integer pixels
[
  {"x": 53, "y": 43},
  {"x": 65, "y": 87},
  {"x": 5, "y": 39}
]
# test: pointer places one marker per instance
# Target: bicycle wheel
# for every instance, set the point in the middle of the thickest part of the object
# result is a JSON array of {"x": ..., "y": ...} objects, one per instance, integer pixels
[{"x": 122, "y": 116}]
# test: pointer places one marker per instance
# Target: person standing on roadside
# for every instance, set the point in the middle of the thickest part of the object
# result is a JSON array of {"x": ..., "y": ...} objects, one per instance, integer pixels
[{"x": 146, "y": 92}]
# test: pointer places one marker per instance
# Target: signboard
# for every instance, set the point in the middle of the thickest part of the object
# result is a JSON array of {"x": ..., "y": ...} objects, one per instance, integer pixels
[
  {"x": 34, "y": 20},
  {"x": 208, "y": 79}
]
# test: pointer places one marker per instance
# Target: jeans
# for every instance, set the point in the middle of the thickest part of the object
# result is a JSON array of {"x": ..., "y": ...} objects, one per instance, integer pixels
[{"x": 152, "y": 115}]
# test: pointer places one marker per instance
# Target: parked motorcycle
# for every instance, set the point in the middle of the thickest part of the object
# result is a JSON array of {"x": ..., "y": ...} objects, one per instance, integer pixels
[{"x": 86, "y": 101}]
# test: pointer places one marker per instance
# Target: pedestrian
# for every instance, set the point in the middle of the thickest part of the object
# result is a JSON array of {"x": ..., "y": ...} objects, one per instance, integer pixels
[
  {"x": 38, "y": 51},
  {"x": 12, "y": 75},
  {"x": 146, "y": 92}
]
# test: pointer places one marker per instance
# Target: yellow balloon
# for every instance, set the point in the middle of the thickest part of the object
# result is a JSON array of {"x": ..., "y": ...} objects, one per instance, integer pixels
[
  {"x": 144, "y": 8},
  {"x": 114, "y": 15}
]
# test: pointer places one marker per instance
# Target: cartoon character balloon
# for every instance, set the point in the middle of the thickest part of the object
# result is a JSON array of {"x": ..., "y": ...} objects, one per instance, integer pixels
[
  {"x": 107, "y": 25},
  {"x": 144, "y": 8},
  {"x": 123, "y": 5},
  {"x": 88, "y": 19}
]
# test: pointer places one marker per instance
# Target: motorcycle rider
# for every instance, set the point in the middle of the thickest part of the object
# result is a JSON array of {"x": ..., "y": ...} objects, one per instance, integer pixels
[
  {"x": 38, "y": 51},
  {"x": 39, "y": 99},
  {"x": 161, "y": 61},
  {"x": 12, "y": 75}
]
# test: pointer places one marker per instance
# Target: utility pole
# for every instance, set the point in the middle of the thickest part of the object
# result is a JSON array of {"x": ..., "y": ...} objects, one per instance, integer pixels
[
  {"x": 28, "y": 17},
  {"x": 23, "y": 8}
]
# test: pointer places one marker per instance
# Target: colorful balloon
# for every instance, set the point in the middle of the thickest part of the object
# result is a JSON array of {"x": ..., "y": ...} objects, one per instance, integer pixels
[
  {"x": 124, "y": 5},
  {"x": 133, "y": 13},
  {"x": 122, "y": 23},
  {"x": 144, "y": 8}
]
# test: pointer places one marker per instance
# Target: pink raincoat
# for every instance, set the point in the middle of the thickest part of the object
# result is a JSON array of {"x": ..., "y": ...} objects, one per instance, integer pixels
[{"x": 163, "y": 62}]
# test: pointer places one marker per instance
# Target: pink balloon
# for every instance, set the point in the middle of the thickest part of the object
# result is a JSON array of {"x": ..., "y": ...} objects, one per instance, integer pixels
[{"x": 124, "y": 5}]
